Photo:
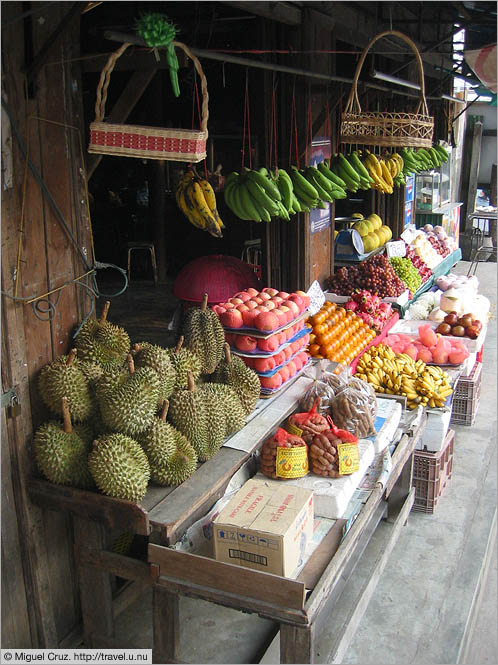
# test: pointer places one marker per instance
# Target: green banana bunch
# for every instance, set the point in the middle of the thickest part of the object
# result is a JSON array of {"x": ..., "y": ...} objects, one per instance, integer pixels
[
  {"x": 306, "y": 193},
  {"x": 286, "y": 189},
  {"x": 254, "y": 196}
]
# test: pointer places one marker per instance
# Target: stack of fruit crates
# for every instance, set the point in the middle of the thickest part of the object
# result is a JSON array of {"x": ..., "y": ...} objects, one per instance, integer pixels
[
  {"x": 466, "y": 397},
  {"x": 431, "y": 474}
]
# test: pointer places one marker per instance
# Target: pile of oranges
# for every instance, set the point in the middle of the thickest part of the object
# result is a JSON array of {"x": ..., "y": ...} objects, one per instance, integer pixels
[{"x": 337, "y": 334}]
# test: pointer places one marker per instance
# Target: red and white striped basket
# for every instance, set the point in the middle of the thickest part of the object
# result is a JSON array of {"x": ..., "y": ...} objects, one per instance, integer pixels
[{"x": 180, "y": 145}]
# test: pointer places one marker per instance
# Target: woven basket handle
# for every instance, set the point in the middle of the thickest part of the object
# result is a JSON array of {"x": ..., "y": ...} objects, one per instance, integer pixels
[
  {"x": 353, "y": 101},
  {"x": 105, "y": 78}
]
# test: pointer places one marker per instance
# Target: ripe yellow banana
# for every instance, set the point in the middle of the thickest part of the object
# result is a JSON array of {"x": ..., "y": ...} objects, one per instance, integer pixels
[
  {"x": 210, "y": 198},
  {"x": 195, "y": 195}
]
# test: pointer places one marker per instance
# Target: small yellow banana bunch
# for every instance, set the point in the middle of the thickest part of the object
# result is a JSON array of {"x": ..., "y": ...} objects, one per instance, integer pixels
[
  {"x": 380, "y": 173},
  {"x": 394, "y": 164},
  {"x": 196, "y": 199},
  {"x": 398, "y": 374}
]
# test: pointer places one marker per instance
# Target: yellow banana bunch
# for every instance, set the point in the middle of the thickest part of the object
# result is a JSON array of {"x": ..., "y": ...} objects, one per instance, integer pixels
[
  {"x": 196, "y": 199},
  {"x": 394, "y": 164},
  {"x": 398, "y": 374},
  {"x": 379, "y": 173}
]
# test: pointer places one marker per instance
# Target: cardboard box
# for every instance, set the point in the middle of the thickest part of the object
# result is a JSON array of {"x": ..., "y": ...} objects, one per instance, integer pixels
[
  {"x": 436, "y": 428},
  {"x": 266, "y": 526}
]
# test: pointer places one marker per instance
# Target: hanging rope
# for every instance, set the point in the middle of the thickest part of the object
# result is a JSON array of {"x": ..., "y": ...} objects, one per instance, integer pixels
[
  {"x": 309, "y": 131},
  {"x": 247, "y": 125},
  {"x": 293, "y": 126}
]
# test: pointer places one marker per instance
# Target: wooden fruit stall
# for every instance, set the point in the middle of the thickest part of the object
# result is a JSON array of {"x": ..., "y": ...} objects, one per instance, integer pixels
[{"x": 164, "y": 515}]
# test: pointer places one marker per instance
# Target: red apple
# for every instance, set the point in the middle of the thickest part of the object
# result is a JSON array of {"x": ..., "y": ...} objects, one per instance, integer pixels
[
  {"x": 265, "y": 295},
  {"x": 282, "y": 316},
  {"x": 289, "y": 332},
  {"x": 293, "y": 306},
  {"x": 236, "y": 301},
  {"x": 228, "y": 305},
  {"x": 249, "y": 317},
  {"x": 287, "y": 352},
  {"x": 271, "y": 382},
  {"x": 279, "y": 358},
  {"x": 245, "y": 342},
  {"x": 258, "y": 300},
  {"x": 294, "y": 297},
  {"x": 289, "y": 314},
  {"x": 270, "y": 344},
  {"x": 243, "y": 295},
  {"x": 268, "y": 289},
  {"x": 249, "y": 361},
  {"x": 283, "y": 294},
  {"x": 232, "y": 319},
  {"x": 282, "y": 337},
  {"x": 264, "y": 364},
  {"x": 266, "y": 321},
  {"x": 251, "y": 304},
  {"x": 269, "y": 305},
  {"x": 298, "y": 362},
  {"x": 218, "y": 309},
  {"x": 277, "y": 300},
  {"x": 292, "y": 367},
  {"x": 243, "y": 308},
  {"x": 252, "y": 292},
  {"x": 304, "y": 296},
  {"x": 284, "y": 373}
]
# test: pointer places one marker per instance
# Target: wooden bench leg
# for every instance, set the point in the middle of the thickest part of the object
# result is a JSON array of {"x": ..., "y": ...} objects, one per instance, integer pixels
[
  {"x": 166, "y": 625},
  {"x": 296, "y": 643},
  {"x": 95, "y": 586}
]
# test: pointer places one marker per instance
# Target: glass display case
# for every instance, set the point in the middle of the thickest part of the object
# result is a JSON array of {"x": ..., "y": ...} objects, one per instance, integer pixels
[{"x": 427, "y": 191}]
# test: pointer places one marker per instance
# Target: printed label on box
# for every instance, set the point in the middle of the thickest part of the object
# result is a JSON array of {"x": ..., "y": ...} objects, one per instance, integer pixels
[
  {"x": 349, "y": 458},
  {"x": 292, "y": 462}
]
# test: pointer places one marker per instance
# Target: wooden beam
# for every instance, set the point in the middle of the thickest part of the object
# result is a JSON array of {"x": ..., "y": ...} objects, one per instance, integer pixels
[
  {"x": 123, "y": 107},
  {"x": 283, "y": 12}
]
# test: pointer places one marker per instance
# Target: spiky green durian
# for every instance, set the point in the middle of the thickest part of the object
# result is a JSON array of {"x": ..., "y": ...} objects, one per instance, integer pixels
[
  {"x": 199, "y": 417},
  {"x": 183, "y": 361},
  {"x": 235, "y": 414},
  {"x": 232, "y": 371},
  {"x": 128, "y": 398},
  {"x": 65, "y": 378},
  {"x": 61, "y": 451},
  {"x": 204, "y": 335},
  {"x": 172, "y": 458},
  {"x": 119, "y": 467},
  {"x": 152, "y": 355},
  {"x": 101, "y": 342}
]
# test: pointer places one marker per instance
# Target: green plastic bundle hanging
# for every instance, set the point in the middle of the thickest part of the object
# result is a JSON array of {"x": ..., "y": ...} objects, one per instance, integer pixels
[{"x": 157, "y": 30}]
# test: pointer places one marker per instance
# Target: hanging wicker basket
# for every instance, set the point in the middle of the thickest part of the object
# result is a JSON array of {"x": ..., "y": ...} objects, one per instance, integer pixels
[
  {"x": 180, "y": 145},
  {"x": 387, "y": 129}
]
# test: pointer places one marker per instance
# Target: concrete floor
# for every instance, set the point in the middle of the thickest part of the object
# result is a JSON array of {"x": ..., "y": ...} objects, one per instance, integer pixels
[{"x": 435, "y": 601}]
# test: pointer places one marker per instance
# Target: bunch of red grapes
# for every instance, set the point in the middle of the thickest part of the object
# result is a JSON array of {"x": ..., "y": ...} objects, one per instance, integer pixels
[
  {"x": 423, "y": 269},
  {"x": 438, "y": 245},
  {"x": 375, "y": 275}
]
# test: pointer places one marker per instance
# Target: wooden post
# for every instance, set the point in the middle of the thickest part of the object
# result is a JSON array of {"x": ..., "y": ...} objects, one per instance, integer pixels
[
  {"x": 471, "y": 159},
  {"x": 95, "y": 586},
  {"x": 166, "y": 625},
  {"x": 297, "y": 643}
]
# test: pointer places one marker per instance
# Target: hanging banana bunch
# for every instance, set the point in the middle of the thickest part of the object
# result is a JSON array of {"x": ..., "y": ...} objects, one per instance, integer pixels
[{"x": 196, "y": 199}]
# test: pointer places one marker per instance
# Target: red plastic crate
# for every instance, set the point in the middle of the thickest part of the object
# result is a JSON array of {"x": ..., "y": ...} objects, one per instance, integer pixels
[{"x": 431, "y": 474}]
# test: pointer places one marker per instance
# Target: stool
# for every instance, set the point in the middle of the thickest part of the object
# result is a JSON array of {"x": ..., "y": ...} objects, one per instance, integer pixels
[
  {"x": 145, "y": 244},
  {"x": 482, "y": 253}
]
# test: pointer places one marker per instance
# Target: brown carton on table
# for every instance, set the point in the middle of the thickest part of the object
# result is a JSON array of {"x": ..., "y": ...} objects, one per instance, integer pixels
[{"x": 266, "y": 526}]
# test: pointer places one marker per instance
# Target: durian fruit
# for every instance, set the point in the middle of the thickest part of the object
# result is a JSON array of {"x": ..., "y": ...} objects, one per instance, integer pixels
[
  {"x": 204, "y": 335},
  {"x": 199, "y": 416},
  {"x": 183, "y": 361},
  {"x": 65, "y": 378},
  {"x": 61, "y": 451},
  {"x": 172, "y": 459},
  {"x": 235, "y": 414},
  {"x": 119, "y": 467},
  {"x": 152, "y": 355},
  {"x": 234, "y": 372},
  {"x": 101, "y": 342},
  {"x": 128, "y": 398}
]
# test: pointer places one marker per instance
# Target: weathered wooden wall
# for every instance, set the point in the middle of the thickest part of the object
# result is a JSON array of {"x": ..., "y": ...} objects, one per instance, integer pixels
[{"x": 40, "y": 603}]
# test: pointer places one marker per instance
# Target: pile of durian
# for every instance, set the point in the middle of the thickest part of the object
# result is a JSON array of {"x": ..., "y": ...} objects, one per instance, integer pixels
[{"x": 131, "y": 414}]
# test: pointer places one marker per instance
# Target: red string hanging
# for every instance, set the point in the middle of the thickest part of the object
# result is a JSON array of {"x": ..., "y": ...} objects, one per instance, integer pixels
[
  {"x": 247, "y": 125},
  {"x": 309, "y": 131},
  {"x": 293, "y": 127},
  {"x": 273, "y": 130},
  {"x": 197, "y": 103}
]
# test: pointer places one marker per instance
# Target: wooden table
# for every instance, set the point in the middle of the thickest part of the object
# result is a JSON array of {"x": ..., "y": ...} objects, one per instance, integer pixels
[{"x": 165, "y": 514}]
